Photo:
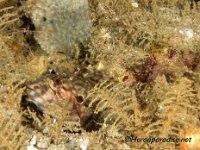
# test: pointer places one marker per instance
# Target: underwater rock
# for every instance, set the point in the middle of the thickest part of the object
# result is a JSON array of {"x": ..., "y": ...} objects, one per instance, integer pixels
[
  {"x": 56, "y": 97},
  {"x": 59, "y": 23}
]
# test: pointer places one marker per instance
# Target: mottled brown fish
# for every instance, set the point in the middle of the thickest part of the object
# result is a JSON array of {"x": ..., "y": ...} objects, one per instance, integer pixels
[{"x": 56, "y": 97}]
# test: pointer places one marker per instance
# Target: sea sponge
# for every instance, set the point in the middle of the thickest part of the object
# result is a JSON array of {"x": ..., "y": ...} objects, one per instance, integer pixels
[{"x": 59, "y": 23}]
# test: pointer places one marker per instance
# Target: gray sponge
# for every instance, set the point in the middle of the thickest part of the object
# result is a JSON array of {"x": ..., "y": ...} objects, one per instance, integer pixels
[{"x": 59, "y": 23}]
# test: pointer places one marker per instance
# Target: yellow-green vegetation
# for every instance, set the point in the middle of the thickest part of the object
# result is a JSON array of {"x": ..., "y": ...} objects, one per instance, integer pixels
[{"x": 138, "y": 74}]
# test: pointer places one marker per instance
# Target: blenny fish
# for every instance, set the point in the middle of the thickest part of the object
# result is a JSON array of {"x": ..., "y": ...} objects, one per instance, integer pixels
[{"x": 56, "y": 96}]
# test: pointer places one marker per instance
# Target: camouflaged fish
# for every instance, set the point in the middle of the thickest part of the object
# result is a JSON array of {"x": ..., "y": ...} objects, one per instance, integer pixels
[{"x": 57, "y": 97}]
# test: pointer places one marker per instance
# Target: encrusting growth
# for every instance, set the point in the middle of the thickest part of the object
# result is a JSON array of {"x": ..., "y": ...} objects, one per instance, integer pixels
[{"x": 59, "y": 23}]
